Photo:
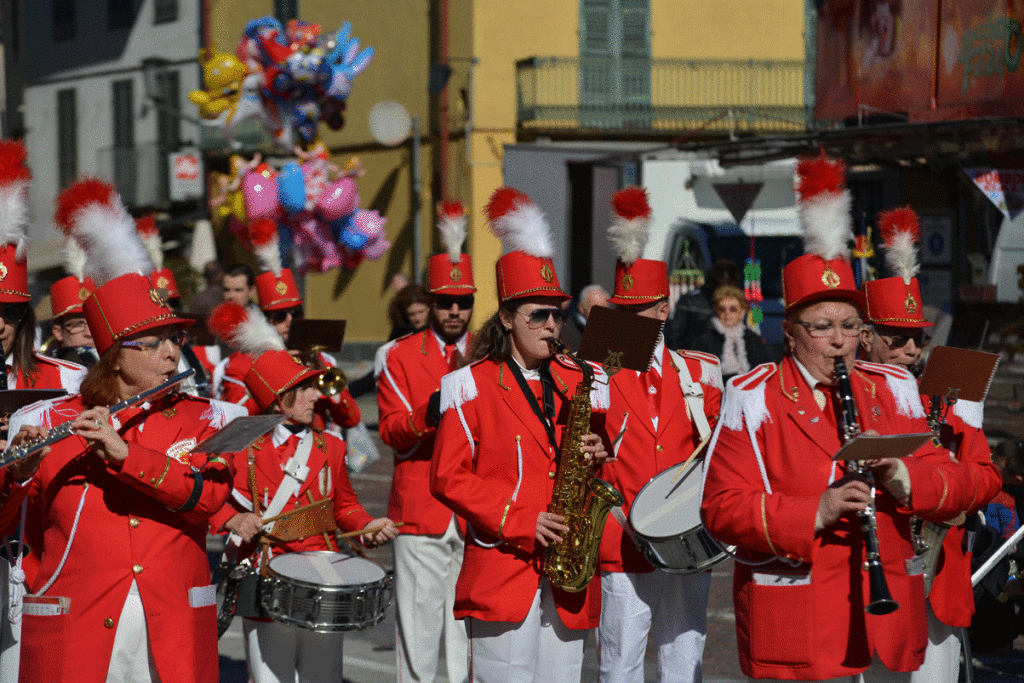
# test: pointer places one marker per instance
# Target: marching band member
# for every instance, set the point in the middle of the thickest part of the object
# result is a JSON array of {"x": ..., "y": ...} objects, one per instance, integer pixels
[
  {"x": 25, "y": 368},
  {"x": 496, "y": 452},
  {"x": 772, "y": 488},
  {"x": 896, "y": 335},
  {"x": 118, "y": 512},
  {"x": 662, "y": 415},
  {"x": 70, "y": 329},
  {"x": 296, "y": 466},
  {"x": 238, "y": 285},
  {"x": 161, "y": 277},
  {"x": 428, "y": 552}
]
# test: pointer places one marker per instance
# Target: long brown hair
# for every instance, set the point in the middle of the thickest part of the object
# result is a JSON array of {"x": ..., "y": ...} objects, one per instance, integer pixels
[
  {"x": 99, "y": 387},
  {"x": 23, "y": 348},
  {"x": 492, "y": 339}
]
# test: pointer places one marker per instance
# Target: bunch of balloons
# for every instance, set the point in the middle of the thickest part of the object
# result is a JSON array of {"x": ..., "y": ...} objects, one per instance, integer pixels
[
  {"x": 291, "y": 78},
  {"x": 314, "y": 204}
]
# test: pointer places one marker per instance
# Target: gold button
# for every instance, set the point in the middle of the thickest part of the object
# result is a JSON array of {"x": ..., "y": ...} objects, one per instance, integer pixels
[
  {"x": 108, "y": 622},
  {"x": 134, "y": 522},
  {"x": 142, "y": 473},
  {"x": 551, "y": 475},
  {"x": 865, "y": 567},
  {"x": 152, "y": 480},
  {"x": 137, "y": 569},
  {"x": 660, "y": 448}
]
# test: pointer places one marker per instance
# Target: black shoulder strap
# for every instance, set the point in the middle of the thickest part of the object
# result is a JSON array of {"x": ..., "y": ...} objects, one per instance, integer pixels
[{"x": 547, "y": 421}]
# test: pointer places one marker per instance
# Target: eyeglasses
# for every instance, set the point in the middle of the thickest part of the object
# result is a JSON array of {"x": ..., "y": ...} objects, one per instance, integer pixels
[
  {"x": 898, "y": 341},
  {"x": 14, "y": 313},
  {"x": 74, "y": 326},
  {"x": 539, "y": 317},
  {"x": 444, "y": 302},
  {"x": 729, "y": 309},
  {"x": 177, "y": 338},
  {"x": 826, "y": 328},
  {"x": 279, "y": 316}
]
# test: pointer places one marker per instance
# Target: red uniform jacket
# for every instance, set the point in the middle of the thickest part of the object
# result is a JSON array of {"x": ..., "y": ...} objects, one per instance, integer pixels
[
  {"x": 493, "y": 465},
  {"x": 644, "y": 451},
  {"x": 208, "y": 357},
  {"x": 128, "y": 529},
  {"x": 327, "y": 478},
  {"x": 52, "y": 373},
  {"x": 342, "y": 409},
  {"x": 951, "y": 597},
  {"x": 804, "y": 618},
  {"x": 408, "y": 371}
]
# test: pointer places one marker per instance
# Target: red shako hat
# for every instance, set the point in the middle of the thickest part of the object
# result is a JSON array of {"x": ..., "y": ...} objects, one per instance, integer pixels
[
  {"x": 162, "y": 278},
  {"x": 896, "y": 301},
  {"x": 69, "y": 293},
  {"x": 824, "y": 271},
  {"x": 451, "y": 272},
  {"x": 124, "y": 302},
  {"x": 637, "y": 280},
  {"x": 274, "y": 373},
  {"x": 14, "y": 180},
  {"x": 276, "y": 287},
  {"x": 526, "y": 268}
]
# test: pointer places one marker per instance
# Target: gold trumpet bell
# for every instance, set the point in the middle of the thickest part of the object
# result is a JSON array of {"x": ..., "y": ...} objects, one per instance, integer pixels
[{"x": 331, "y": 382}]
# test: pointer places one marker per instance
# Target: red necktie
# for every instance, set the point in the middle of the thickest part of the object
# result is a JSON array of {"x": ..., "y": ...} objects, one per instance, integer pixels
[
  {"x": 452, "y": 357},
  {"x": 652, "y": 387}
]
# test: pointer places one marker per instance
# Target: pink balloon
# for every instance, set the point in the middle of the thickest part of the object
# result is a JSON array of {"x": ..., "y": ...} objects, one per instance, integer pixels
[
  {"x": 339, "y": 199},
  {"x": 260, "y": 195}
]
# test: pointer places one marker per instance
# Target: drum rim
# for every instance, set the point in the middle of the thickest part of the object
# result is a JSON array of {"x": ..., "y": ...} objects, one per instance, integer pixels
[
  {"x": 278, "y": 576},
  {"x": 632, "y": 506}
]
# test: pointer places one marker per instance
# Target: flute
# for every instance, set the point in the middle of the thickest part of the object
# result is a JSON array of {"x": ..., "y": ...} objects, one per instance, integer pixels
[{"x": 62, "y": 431}]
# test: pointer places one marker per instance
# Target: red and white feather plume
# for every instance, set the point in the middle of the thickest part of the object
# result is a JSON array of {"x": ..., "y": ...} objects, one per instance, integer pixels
[
  {"x": 824, "y": 206},
  {"x": 519, "y": 223},
  {"x": 266, "y": 244},
  {"x": 631, "y": 222},
  {"x": 150, "y": 236},
  {"x": 900, "y": 232},
  {"x": 91, "y": 211},
  {"x": 14, "y": 181},
  {"x": 451, "y": 223},
  {"x": 75, "y": 258},
  {"x": 244, "y": 329}
]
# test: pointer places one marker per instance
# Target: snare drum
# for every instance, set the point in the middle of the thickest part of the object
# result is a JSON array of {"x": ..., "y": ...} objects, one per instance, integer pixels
[
  {"x": 665, "y": 517},
  {"x": 326, "y": 592}
]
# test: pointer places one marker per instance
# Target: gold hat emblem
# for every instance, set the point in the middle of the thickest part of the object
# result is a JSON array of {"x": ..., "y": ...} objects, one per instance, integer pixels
[
  {"x": 162, "y": 282},
  {"x": 83, "y": 294},
  {"x": 157, "y": 297},
  {"x": 830, "y": 278},
  {"x": 910, "y": 304},
  {"x": 627, "y": 282},
  {"x": 546, "y": 273},
  {"x": 281, "y": 287},
  {"x": 613, "y": 363},
  {"x": 3, "y": 271},
  {"x": 456, "y": 274}
]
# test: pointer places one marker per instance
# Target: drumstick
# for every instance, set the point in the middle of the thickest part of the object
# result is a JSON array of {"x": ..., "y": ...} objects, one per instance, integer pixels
[
  {"x": 368, "y": 530},
  {"x": 693, "y": 459}
]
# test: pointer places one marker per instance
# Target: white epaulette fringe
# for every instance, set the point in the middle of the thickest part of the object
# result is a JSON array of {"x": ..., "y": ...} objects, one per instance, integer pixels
[
  {"x": 745, "y": 399},
  {"x": 902, "y": 385},
  {"x": 457, "y": 388},
  {"x": 710, "y": 367},
  {"x": 222, "y": 412},
  {"x": 380, "y": 358},
  {"x": 971, "y": 412},
  {"x": 600, "y": 396}
]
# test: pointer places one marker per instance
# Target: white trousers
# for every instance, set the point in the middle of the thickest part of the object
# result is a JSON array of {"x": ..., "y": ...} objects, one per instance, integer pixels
[
  {"x": 426, "y": 569},
  {"x": 540, "y": 648},
  {"x": 278, "y": 653},
  {"x": 131, "y": 660},
  {"x": 942, "y": 658},
  {"x": 875, "y": 673},
  {"x": 670, "y": 610}
]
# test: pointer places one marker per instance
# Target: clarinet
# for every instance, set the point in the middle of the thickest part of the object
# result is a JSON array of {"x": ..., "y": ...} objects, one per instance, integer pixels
[
  {"x": 64, "y": 430},
  {"x": 881, "y": 601}
]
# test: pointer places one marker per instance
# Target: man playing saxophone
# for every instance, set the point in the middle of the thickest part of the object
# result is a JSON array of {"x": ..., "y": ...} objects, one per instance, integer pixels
[
  {"x": 657, "y": 419},
  {"x": 496, "y": 457},
  {"x": 896, "y": 335}
]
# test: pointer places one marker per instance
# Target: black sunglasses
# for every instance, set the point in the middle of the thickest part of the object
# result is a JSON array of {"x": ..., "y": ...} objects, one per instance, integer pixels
[
  {"x": 898, "y": 341},
  {"x": 279, "y": 316},
  {"x": 14, "y": 313},
  {"x": 445, "y": 301}
]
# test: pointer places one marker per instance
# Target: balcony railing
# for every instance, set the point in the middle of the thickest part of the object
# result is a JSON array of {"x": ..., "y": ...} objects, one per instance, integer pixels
[{"x": 660, "y": 95}]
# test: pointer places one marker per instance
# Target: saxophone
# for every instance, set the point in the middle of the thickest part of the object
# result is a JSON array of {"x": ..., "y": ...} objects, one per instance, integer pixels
[{"x": 582, "y": 499}]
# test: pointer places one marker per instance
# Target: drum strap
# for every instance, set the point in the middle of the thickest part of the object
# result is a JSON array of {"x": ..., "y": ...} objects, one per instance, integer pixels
[
  {"x": 295, "y": 473},
  {"x": 693, "y": 394}
]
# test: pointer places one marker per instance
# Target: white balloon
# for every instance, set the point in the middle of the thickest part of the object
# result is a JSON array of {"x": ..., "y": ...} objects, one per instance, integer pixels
[{"x": 389, "y": 123}]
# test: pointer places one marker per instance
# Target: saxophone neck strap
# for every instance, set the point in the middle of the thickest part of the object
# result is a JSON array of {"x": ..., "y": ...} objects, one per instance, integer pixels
[{"x": 546, "y": 416}]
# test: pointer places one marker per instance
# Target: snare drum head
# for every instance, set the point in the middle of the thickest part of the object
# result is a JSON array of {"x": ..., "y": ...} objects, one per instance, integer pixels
[
  {"x": 666, "y": 508},
  {"x": 325, "y": 568}
]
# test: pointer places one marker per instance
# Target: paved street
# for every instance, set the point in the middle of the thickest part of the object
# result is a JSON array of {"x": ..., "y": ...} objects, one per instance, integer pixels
[{"x": 370, "y": 657}]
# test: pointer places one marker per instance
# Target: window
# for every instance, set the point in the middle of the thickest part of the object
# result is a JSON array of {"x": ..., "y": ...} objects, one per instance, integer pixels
[
  {"x": 123, "y": 118},
  {"x": 168, "y": 130},
  {"x": 165, "y": 11},
  {"x": 67, "y": 138},
  {"x": 120, "y": 14},
  {"x": 63, "y": 20},
  {"x": 615, "y": 63},
  {"x": 285, "y": 10}
]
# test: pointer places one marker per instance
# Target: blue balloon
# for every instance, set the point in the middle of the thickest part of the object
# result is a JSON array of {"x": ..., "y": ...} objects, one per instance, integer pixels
[{"x": 291, "y": 188}]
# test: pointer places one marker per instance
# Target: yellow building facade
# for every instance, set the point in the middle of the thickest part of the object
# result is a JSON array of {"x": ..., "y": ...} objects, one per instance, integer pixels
[{"x": 486, "y": 40}]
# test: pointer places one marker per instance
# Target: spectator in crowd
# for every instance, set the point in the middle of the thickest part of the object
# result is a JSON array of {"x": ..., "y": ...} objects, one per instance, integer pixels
[
  {"x": 736, "y": 345},
  {"x": 1001, "y": 512},
  {"x": 212, "y": 294},
  {"x": 409, "y": 311},
  {"x": 239, "y": 284},
  {"x": 572, "y": 331},
  {"x": 693, "y": 312}
]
